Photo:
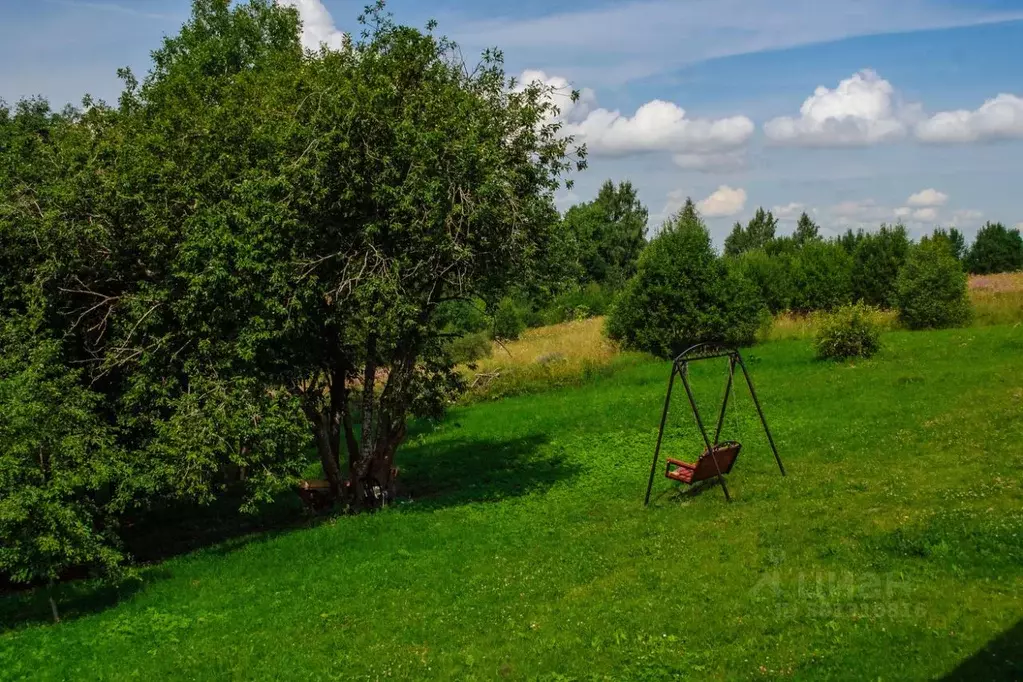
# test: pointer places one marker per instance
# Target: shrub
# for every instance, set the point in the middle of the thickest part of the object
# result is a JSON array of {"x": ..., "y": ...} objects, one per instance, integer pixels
[
  {"x": 821, "y": 277},
  {"x": 996, "y": 249},
  {"x": 591, "y": 300},
  {"x": 470, "y": 348},
  {"x": 771, "y": 275},
  {"x": 683, "y": 293},
  {"x": 509, "y": 319},
  {"x": 57, "y": 459},
  {"x": 877, "y": 259},
  {"x": 931, "y": 290},
  {"x": 852, "y": 331}
]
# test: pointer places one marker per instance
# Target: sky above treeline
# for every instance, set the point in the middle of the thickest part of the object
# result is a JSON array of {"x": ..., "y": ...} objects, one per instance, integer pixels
[{"x": 856, "y": 111}]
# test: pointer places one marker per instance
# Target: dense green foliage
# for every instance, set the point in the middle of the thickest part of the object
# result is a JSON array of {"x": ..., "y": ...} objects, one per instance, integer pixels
[
  {"x": 806, "y": 230},
  {"x": 877, "y": 259},
  {"x": 955, "y": 240},
  {"x": 931, "y": 289},
  {"x": 246, "y": 256},
  {"x": 893, "y": 549},
  {"x": 772, "y": 275},
  {"x": 821, "y": 277},
  {"x": 509, "y": 319},
  {"x": 755, "y": 235},
  {"x": 58, "y": 461},
  {"x": 684, "y": 293},
  {"x": 607, "y": 234},
  {"x": 996, "y": 249},
  {"x": 849, "y": 332}
]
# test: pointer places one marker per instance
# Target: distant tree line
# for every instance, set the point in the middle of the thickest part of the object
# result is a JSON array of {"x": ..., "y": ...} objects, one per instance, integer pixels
[{"x": 695, "y": 295}]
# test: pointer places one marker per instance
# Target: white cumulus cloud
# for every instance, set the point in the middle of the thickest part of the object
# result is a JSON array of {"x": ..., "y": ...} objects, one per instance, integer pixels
[
  {"x": 317, "y": 25},
  {"x": 862, "y": 110},
  {"x": 656, "y": 126},
  {"x": 925, "y": 214},
  {"x": 561, "y": 95},
  {"x": 660, "y": 126},
  {"x": 725, "y": 201},
  {"x": 997, "y": 119},
  {"x": 926, "y": 198}
]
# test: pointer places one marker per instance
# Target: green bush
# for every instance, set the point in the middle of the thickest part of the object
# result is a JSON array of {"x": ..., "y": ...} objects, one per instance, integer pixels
[
  {"x": 996, "y": 249},
  {"x": 877, "y": 259},
  {"x": 931, "y": 290},
  {"x": 57, "y": 460},
  {"x": 821, "y": 277},
  {"x": 591, "y": 300},
  {"x": 852, "y": 331},
  {"x": 683, "y": 293},
  {"x": 771, "y": 275},
  {"x": 470, "y": 348},
  {"x": 509, "y": 319}
]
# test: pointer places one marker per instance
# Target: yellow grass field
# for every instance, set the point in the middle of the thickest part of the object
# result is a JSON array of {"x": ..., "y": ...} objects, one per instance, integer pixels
[
  {"x": 997, "y": 299},
  {"x": 556, "y": 355}
]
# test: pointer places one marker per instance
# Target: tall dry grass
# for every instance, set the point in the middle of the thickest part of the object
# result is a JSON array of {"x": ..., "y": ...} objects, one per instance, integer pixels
[
  {"x": 558, "y": 355},
  {"x": 997, "y": 299}
]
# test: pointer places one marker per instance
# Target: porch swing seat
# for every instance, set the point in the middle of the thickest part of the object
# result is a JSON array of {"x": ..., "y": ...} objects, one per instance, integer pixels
[{"x": 705, "y": 467}]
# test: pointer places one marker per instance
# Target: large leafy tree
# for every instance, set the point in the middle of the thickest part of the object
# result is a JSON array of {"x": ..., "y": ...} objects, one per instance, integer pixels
[
  {"x": 877, "y": 259},
  {"x": 684, "y": 293},
  {"x": 609, "y": 233},
  {"x": 757, "y": 234},
  {"x": 821, "y": 277},
  {"x": 931, "y": 291},
  {"x": 996, "y": 249},
  {"x": 247, "y": 254},
  {"x": 806, "y": 230},
  {"x": 955, "y": 240}
]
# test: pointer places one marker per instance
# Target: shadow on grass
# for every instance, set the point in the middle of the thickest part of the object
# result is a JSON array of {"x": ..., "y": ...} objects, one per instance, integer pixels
[
  {"x": 164, "y": 532},
  {"x": 75, "y": 598},
  {"x": 173, "y": 529},
  {"x": 1000, "y": 659},
  {"x": 436, "y": 475},
  {"x": 457, "y": 472}
]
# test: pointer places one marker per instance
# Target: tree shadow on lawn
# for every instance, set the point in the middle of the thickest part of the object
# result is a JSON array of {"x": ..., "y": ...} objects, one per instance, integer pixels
[
  {"x": 162, "y": 533},
  {"x": 1000, "y": 659},
  {"x": 75, "y": 598},
  {"x": 434, "y": 475},
  {"x": 457, "y": 472}
]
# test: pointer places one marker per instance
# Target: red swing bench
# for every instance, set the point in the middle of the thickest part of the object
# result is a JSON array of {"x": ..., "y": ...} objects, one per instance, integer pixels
[{"x": 708, "y": 466}]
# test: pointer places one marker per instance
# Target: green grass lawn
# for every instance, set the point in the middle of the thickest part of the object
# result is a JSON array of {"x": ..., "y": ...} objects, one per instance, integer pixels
[{"x": 893, "y": 550}]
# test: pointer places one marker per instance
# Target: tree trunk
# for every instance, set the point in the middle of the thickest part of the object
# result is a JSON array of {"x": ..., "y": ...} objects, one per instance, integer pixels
[
  {"x": 328, "y": 458},
  {"x": 362, "y": 489},
  {"x": 53, "y": 606}
]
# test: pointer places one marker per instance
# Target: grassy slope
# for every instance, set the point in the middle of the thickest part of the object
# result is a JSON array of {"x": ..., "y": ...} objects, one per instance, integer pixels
[{"x": 893, "y": 550}]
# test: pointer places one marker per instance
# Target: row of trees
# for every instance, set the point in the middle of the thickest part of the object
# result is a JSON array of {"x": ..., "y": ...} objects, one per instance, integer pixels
[
  {"x": 684, "y": 292},
  {"x": 601, "y": 242},
  {"x": 245, "y": 259}
]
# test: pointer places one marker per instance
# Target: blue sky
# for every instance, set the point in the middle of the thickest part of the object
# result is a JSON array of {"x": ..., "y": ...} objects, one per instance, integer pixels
[{"x": 858, "y": 111}]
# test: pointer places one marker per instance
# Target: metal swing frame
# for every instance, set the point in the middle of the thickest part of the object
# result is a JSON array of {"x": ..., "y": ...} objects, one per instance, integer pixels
[{"x": 680, "y": 368}]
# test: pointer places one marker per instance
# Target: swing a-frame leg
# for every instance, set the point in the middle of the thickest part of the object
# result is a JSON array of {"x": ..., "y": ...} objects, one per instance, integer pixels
[{"x": 718, "y": 458}]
